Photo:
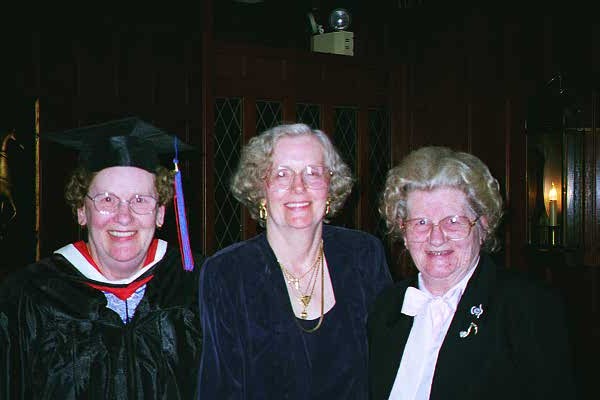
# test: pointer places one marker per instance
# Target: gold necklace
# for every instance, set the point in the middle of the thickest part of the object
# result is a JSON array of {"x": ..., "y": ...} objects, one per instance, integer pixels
[
  {"x": 311, "y": 330},
  {"x": 295, "y": 280},
  {"x": 305, "y": 296}
]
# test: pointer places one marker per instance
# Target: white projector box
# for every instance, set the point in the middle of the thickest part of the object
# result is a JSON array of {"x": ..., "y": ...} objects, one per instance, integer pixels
[{"x": 340, "y": 42}]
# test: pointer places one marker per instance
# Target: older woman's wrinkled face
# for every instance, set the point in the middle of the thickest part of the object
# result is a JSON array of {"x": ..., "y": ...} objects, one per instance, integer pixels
[
  {"x": 301, "y": 204},
  {"x": 118, "y": 241},
  {"x": 442, "y": 262}
]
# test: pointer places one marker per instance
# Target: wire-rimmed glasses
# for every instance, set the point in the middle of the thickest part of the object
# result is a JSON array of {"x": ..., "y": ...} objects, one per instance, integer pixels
[
  {"x": 313, "y": 177},
  {"x": 108, "y": 203},
  {"x": 453, "y": 227}
]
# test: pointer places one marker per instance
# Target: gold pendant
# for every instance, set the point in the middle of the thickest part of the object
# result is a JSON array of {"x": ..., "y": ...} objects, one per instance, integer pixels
[
  {"x": 305, "y": 300},
  {"x": 303, "y": 314}
]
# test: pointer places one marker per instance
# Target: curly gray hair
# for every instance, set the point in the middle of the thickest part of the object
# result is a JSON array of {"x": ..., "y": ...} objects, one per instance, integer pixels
[
  {"x": 81, "y": 178},
  {"x": 247, "y": 183},
  {"x": 429, "y": 168}
]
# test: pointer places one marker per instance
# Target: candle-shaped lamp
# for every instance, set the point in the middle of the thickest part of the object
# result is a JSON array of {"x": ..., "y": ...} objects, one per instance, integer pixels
[{"x": 552, "y": 196}]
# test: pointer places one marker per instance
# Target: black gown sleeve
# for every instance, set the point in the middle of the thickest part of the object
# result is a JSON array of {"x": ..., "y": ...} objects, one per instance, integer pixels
[{"x": 13, "y": 345}]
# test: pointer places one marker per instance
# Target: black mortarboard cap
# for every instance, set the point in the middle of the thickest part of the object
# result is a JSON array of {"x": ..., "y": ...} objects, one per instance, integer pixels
[{"x": 123, "y": 142}]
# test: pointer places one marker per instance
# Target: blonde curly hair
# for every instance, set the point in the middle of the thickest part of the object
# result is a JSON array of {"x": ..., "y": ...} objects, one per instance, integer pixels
[
  {"x": 247, "y": 183},
  {"x": 433, "y": 167}
]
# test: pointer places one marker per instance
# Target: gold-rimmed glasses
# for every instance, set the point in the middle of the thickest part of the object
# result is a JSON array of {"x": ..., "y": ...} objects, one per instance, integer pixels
[
  {"x": 313, "y": 177},
  {"x": 453, "y": 227},
  {"x": 108, "y": 203}
]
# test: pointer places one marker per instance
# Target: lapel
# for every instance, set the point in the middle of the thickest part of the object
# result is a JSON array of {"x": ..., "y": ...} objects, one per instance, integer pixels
[
  {"x": 391, "y": 341},
  {"x": 459, "y": 359},
  {"x": 343, "y": 270},
  {"x": 270, "y": 285},
  {"x": 336, "y": 255}
]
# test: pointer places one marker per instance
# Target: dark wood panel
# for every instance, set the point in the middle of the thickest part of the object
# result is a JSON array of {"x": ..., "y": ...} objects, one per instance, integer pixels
[
  {"x": 278, "y": 73},
  {"x": 93, "y": 78},
  {"x": 306, "y": 73},
  {"x": 591, "y": 172},
  {"x": 202, "y": 88},
  {"x": 265, "y": 70},
  {"x": 229, "y": 65}
]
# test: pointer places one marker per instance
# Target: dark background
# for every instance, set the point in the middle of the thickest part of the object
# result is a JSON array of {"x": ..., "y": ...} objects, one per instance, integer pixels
[{"x": 459, "y": 74}]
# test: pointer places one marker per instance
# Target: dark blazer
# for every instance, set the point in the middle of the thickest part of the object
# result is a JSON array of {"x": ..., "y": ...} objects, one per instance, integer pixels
[
  {"x": 520, "y": 351},
  {"x": 253, "y": 346}
]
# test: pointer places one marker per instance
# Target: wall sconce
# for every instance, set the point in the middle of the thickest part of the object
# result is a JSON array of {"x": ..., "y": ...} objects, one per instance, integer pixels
[
  {"x": 339, "y": 41},
  {"x": 554, "y": 129}
]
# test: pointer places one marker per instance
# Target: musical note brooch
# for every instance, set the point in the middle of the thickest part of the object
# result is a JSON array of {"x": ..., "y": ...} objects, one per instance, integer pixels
[{"x": 477, "y": 311}]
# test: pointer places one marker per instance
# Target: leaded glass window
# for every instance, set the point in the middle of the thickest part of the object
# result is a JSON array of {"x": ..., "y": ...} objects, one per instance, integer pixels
[
  {"x": 345, "y": 135},
  {"x": 379, "y": 163},
  {"x": 227, "y": 142},
  {"x": 309, "y": 114},
  {"x": 268, "y": 115}
]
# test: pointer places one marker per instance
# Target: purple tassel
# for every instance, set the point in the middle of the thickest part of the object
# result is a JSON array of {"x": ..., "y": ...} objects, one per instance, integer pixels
[{"x": 182, "y": 229}]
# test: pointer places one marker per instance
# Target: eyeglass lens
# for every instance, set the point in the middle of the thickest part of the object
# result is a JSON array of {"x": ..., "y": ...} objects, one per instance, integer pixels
[
  {"x": 313, "y": 176},
  {"x": 453, "y": 227},
  {"x": 109, "y": 203}
]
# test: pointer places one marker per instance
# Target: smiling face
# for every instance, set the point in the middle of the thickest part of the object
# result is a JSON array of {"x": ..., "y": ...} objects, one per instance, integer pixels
[
  {"x": 118, "y": 241},
  {"x": 297, "y": 207},
  {"x": 442, "y": 263}
]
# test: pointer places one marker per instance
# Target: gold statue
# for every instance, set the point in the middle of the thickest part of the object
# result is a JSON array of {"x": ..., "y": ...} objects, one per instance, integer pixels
[{"x": 6, "y": 198}]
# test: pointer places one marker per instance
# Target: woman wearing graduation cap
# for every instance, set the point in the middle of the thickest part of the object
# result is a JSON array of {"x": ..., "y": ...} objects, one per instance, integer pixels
[{"x": 114, "y": 316}]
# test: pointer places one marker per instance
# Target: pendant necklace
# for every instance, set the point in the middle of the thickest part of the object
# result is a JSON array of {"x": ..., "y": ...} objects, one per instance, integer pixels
[
  {"x": 304, "y": 297},
  {"x": 295, "y": 280}
]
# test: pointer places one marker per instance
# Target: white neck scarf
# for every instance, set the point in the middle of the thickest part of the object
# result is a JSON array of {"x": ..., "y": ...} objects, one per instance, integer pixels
[{"x": 432, "y": 318}]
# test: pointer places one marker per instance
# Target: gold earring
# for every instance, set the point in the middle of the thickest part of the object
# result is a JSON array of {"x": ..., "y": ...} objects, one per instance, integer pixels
[
  {"x": 262, "y": 211},
  {"x": 158, "y": 225},
  {"x": 327, "y": 207}
]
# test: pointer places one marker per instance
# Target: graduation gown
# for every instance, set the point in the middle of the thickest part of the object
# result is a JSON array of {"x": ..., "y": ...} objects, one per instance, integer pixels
[
  {"x": 58, "y": 340},
  {"x": 253, "y": 347},
  {"x": 519, "y": 350}
]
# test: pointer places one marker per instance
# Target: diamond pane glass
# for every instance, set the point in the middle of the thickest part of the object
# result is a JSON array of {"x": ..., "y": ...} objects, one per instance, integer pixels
[
  {"x": 345, "y": 139},
  {"x": 268, "y": 115},
  {"x": 227, "y": 141},
  {"x": 345, "y": 135},
  {"x": 309, "y": 114},
  {"x": 379, "y": 162}
]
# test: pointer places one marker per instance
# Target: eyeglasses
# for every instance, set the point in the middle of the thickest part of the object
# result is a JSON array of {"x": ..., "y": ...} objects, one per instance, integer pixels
[
  {"x": 108, "y": 203},
  {"x": 454, "y": 227},
  {"x": 313, "y": 176}
]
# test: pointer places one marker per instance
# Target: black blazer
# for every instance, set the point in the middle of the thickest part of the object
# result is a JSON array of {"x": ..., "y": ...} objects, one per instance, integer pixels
[{"x": 520, "y": 351}]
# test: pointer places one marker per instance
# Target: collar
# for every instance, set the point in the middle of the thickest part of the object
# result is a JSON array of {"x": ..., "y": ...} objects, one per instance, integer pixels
[
  {"x": 416, "y": 299},
  {"x": 78, "y": 255}
]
